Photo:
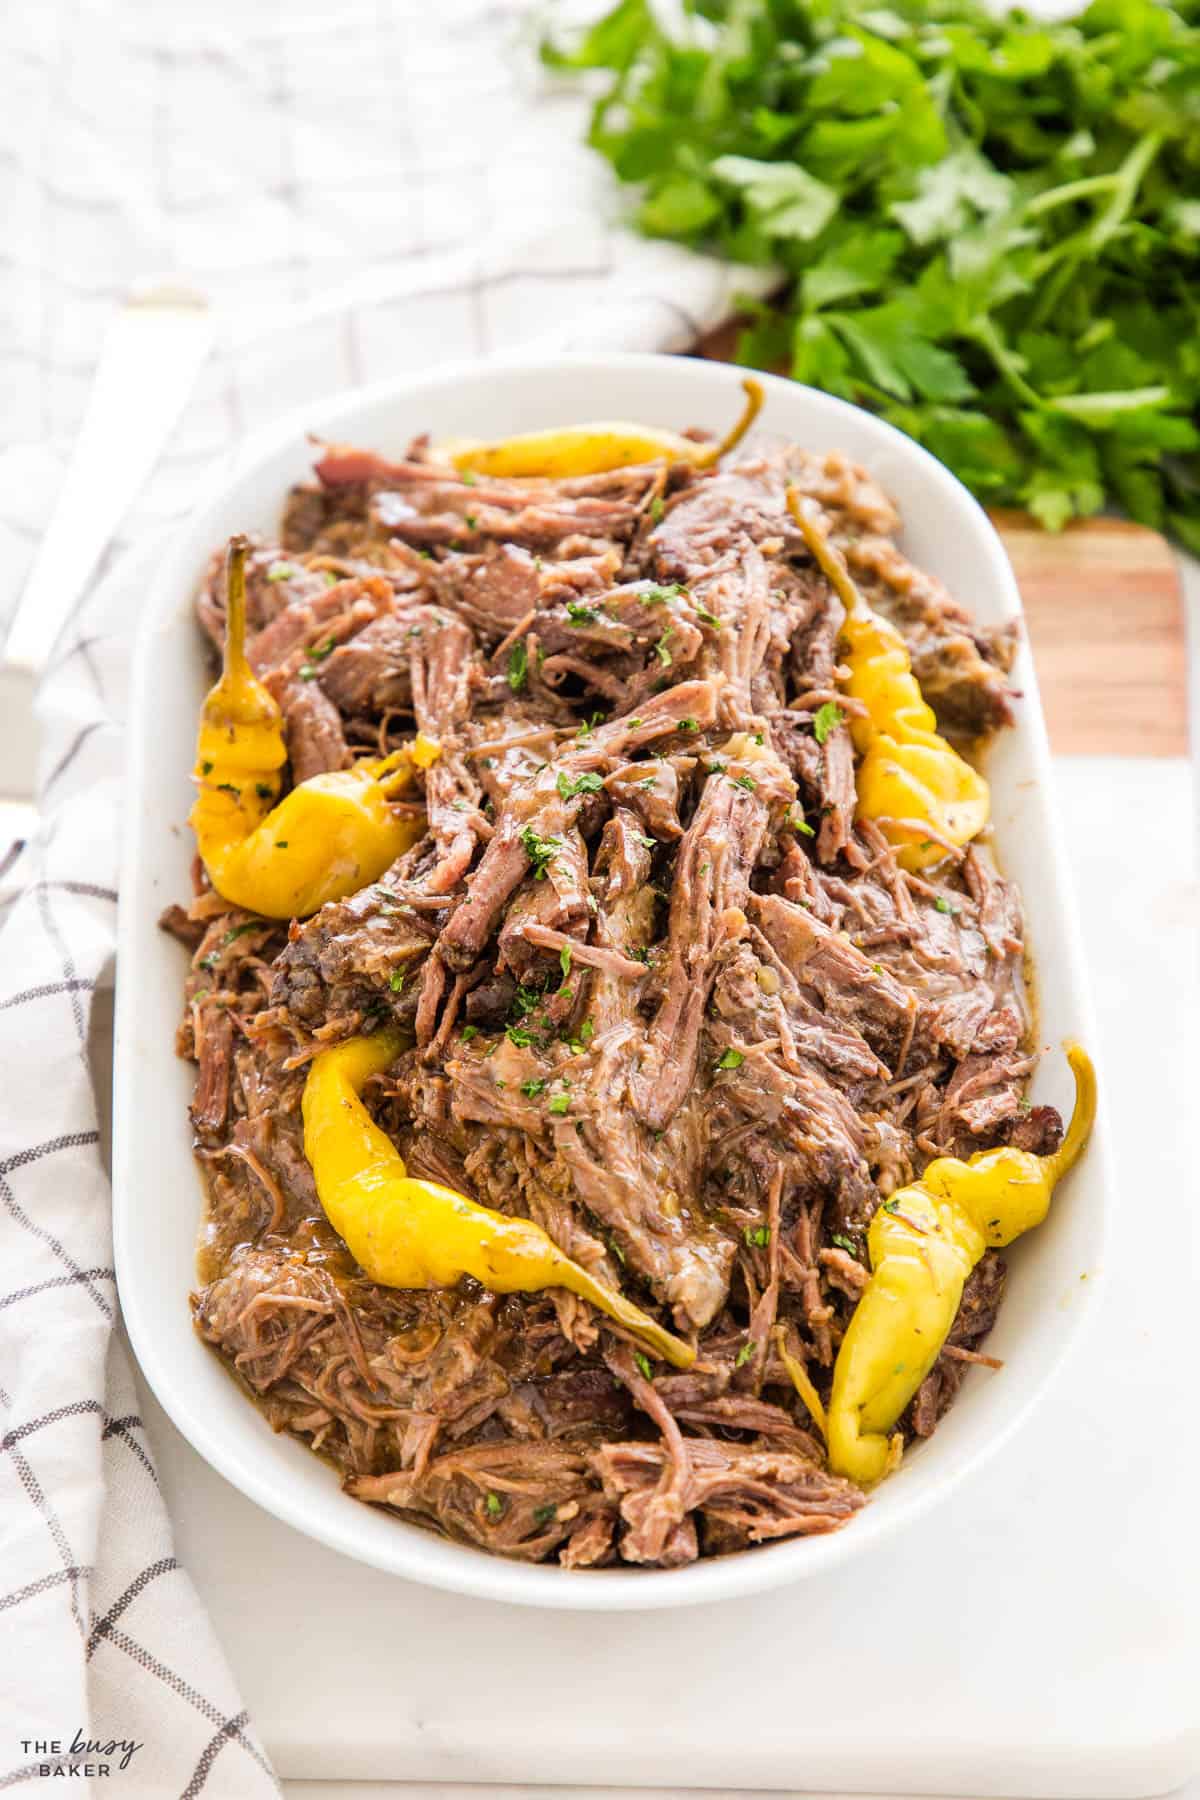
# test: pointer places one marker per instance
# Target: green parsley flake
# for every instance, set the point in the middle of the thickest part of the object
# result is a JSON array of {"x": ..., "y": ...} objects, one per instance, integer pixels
[
  {"x": 707, "y": 618},
  {"x": 845, "y": 1243},
  {"x": 579, "y": 614},
  {"x": 518, "y": 666},
  {"x": 656, "y": 509},
  {"x": 533, "y": 1087},
  {"x": 396, "y": 980},
  {"x": 493, "y": 1504},
  {"x": 564, "y": 960},
  {"x": 568, "y": 786},
  {"x": 545, "y": 1514},
  {"x": 744, "y": 1354},
  {"x": 757, "y": 1236},
  {"x": 281, "y": 571},
  {"x": 468, "y": 1032},
  {"x": 943, "y": 905},
  {"x": 689, "y": 724},
  {"x": 827, "y": 719},
  {"x": 745, "y": 781},
  {"x": 730, "y": 1059},
  {"x": 559, "y": 1105},
  {"x": 643, "y": 1363},
  {"x": 541, "y": 851}
]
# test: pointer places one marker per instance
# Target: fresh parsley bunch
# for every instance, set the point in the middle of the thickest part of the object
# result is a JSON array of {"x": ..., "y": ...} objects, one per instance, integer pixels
[{"x": 989, "y": 226}]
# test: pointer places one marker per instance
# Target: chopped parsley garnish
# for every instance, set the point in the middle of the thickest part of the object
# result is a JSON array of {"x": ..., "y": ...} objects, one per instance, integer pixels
[
  {"x": 559, "y": 1105},
  {"x": 643, "y": 1363},
  {"x": 281, "y": 571},
  {"x": 468, "y": 1032},
  {"x": 891, "y": 1206},
  {"x": 568, "y": 786},
  {"x": 518, "y": 666},
  {"x": 845, "y": 1243},
  {"x": 564, "y": 960},
  {"x": 647, "y": 843},
  {"x": 707, "y": 618},
  {"x": 237, "y": 931},
  {"x": 470, "y": 521},
  {"x": 730, "y": 1059},
  {"x": 656, "y": 509},
  {"x": 744, "y": 1354},
  {"x": 468, "y": 477},
  {"x": 689, "y": 724},
  {"x": 943, "y": 905},
  {"x": 519, "y": 1035},
  {"x": 396, "y": 980},
  {"x": 541, "y": 851},
  {"x": 745, "y": 781},
  {"x": 799, "y": 823},
  {"x": 877, "y": 968},
  {"x": 545, "y": 1514},
  {"x": 579, "y": 614},
  {"x": 661, "y": 651},
  {"x": 533, "y": 1087},
  {"x": 494, "y": 1505},
  {"x": 826, "y": 719},
  {"x": 657, "y": 595},
  {"x": 757, "y": 1236}
]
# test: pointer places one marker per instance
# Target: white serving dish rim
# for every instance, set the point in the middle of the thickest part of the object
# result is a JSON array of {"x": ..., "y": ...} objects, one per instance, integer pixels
[{"x": 280, "y": 1474}]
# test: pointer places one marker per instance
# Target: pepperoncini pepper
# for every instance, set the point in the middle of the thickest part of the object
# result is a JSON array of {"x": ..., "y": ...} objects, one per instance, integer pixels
[
  {"x": 410, "y": 1233},
  {"x": 595, "y": 449},
  {"x": 923, "y": 1244},
  {"x": 924, "y": 794},
  {"x": 331, "y": 835}
]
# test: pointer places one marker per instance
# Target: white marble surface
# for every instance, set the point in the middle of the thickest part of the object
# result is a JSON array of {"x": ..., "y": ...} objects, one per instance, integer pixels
[{"x": 1037, "y": 1636}]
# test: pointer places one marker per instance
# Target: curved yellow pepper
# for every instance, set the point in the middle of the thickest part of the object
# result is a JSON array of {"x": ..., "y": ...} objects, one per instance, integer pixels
[
  {"x": 409, "y": 1233},
  {"x": 595, "y": 449},
  {"x": 923, "y": 1244},
  {"x": 908, "y": 772},
  {"x": 331, "y": 835}
]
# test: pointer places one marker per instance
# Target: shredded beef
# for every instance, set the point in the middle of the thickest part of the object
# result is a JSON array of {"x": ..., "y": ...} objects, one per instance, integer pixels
[{"x": 641, "y": 889}]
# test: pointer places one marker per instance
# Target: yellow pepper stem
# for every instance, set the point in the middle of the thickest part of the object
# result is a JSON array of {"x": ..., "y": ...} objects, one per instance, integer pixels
[
  {"x": 923, "y": 1244},
  {"x": 755, "y": 396},
  {"x": 410, "y": 1233}
]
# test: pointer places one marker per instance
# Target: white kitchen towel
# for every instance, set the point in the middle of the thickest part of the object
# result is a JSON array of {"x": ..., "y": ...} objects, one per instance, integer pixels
[{"x": 361, "y": 189}]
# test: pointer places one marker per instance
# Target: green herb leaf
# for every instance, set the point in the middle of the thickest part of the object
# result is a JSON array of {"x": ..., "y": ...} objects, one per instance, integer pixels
[
  {"x": 643, "y": 1363},
  {"x": 743, "y": 1356},
  {"x": 559, "y": 1105},
  {"x": 986, "y": 224},
  {"x": 827, "y": 719},
  {"x": 533, "y": 1087},
  {"x": 757, "y": 1236},
  {"x": 396, "y": 980},
  {"x": 518, "y": 666},
  {"x": 541, "y": 851},
  {"x": 468, "y": 1032},
  {"x": 564, "y": 960},
  {"x": 730, "y": 1059},
  {"x": 845, "y": 1243},
  {"x": 493, "y": 1505},
  {"x": 587, "y": 783}
]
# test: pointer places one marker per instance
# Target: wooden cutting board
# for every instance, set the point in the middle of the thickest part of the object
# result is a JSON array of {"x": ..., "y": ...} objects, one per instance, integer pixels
[{"x": 1105, "y": 611}]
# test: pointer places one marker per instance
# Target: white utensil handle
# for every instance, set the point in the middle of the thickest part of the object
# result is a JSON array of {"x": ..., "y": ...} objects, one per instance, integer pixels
[{"x": 152, "y": 354}]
